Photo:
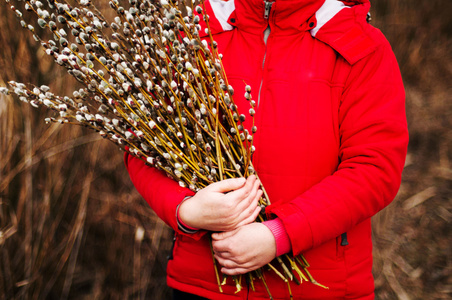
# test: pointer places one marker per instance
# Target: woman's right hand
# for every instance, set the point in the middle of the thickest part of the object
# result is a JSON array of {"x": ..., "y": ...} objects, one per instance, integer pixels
[{"x": 223, "y": 205}]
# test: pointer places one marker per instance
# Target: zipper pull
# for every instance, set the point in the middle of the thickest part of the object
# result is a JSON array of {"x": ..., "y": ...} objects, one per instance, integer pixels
[
  {"x": 344, "y": 241},
  {"x": 268, "y": 7}
]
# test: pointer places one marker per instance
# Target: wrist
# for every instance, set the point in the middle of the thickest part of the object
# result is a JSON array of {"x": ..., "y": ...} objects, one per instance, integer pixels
[{"x": 182, "y": 224}]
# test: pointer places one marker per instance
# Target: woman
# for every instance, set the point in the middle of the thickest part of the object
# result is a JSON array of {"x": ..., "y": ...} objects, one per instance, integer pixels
[{"x": 331, "y": 145}]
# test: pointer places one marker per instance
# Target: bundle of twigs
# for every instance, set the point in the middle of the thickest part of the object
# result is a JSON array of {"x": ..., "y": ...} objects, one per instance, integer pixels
[{"x": 155, "y": 88}]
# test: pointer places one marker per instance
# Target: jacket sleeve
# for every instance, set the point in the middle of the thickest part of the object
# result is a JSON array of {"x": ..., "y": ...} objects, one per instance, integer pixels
[
  {"x": 161, "y": 192},
  {"x": 373, "y": 144}
]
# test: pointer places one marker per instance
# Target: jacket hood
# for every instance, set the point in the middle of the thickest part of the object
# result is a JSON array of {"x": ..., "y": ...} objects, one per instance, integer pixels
[
  {"x": 340, "y": 24},
  {"x": 256, "y": 15},
  {"x": 287, "y": 15}
]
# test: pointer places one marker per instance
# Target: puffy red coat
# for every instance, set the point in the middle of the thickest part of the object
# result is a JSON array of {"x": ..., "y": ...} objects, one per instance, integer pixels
[{"x": 331, "y": 141}]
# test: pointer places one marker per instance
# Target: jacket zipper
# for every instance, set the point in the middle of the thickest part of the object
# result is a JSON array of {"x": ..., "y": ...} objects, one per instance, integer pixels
[{"x": 267, "y": 9}]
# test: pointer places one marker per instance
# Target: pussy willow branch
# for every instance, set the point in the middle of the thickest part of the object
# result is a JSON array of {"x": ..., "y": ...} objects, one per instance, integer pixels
[{"x": 155, "y": 88}]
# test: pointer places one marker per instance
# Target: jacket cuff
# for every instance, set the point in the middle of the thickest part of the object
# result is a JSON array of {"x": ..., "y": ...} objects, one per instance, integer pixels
[
  {"x": 281, "y": 237},
  {"x": 181, "y": 225},
  {"x": 294, "y": 222}
]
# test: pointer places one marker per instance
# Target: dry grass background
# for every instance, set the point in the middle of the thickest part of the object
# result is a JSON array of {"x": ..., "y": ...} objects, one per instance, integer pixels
[{"x": 71, "y": 222}]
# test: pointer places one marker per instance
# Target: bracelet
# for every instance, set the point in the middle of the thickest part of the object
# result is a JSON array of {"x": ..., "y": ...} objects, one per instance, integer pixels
[{"x": 183, "y": 227}]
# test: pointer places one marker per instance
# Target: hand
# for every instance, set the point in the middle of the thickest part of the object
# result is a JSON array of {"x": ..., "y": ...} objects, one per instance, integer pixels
[
  {"x": 223, "y": 205},
  {"x": 244, "y": 249}
]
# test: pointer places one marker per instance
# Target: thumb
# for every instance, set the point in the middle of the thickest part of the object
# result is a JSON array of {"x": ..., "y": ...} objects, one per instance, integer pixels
[
  {"x": 228, "y": 185},
  {"x": 223, "y": 235}
]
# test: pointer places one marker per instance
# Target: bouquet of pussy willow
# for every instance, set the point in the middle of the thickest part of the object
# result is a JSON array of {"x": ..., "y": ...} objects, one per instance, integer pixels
[{"x": 155, "y": 88}]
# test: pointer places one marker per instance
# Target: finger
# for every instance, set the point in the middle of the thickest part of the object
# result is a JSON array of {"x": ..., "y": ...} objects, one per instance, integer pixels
[
  {"x": 241, "y": 195},
  {"x": 255, "y": 199},
  {"x": 220, "y": 247},
  {"x": 235, "y": 271},
  {"x": 226, "y": 262},
  {"x": 256, "y": 188},
  {"x": 228, "y": 185},
  {"x": 229, "y": 260},
  {"x": 223, "y": 235},
  {"x": 250, "y": 212},
  {"x": 251, "y": 218},
  {"x": 222, "y": 255},
  {"x": 252, "y": 197},
  {"x": 231, "y": 263}
]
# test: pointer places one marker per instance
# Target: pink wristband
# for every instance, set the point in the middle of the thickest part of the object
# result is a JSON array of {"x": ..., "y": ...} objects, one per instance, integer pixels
[{"x": 276, "y": 226}]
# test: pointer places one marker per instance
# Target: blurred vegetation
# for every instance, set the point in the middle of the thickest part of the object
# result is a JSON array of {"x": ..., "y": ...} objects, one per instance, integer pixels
[
  {"x": 71, "y": 223},
  {"x": 413, "y": 253}
]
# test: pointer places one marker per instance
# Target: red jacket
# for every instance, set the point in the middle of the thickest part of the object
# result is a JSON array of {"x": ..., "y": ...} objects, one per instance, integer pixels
[{"x": 330, "y": 145}]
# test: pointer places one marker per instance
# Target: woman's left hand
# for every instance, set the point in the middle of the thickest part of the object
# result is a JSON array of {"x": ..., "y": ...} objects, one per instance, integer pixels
[{"x": 244, "y": 249}]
